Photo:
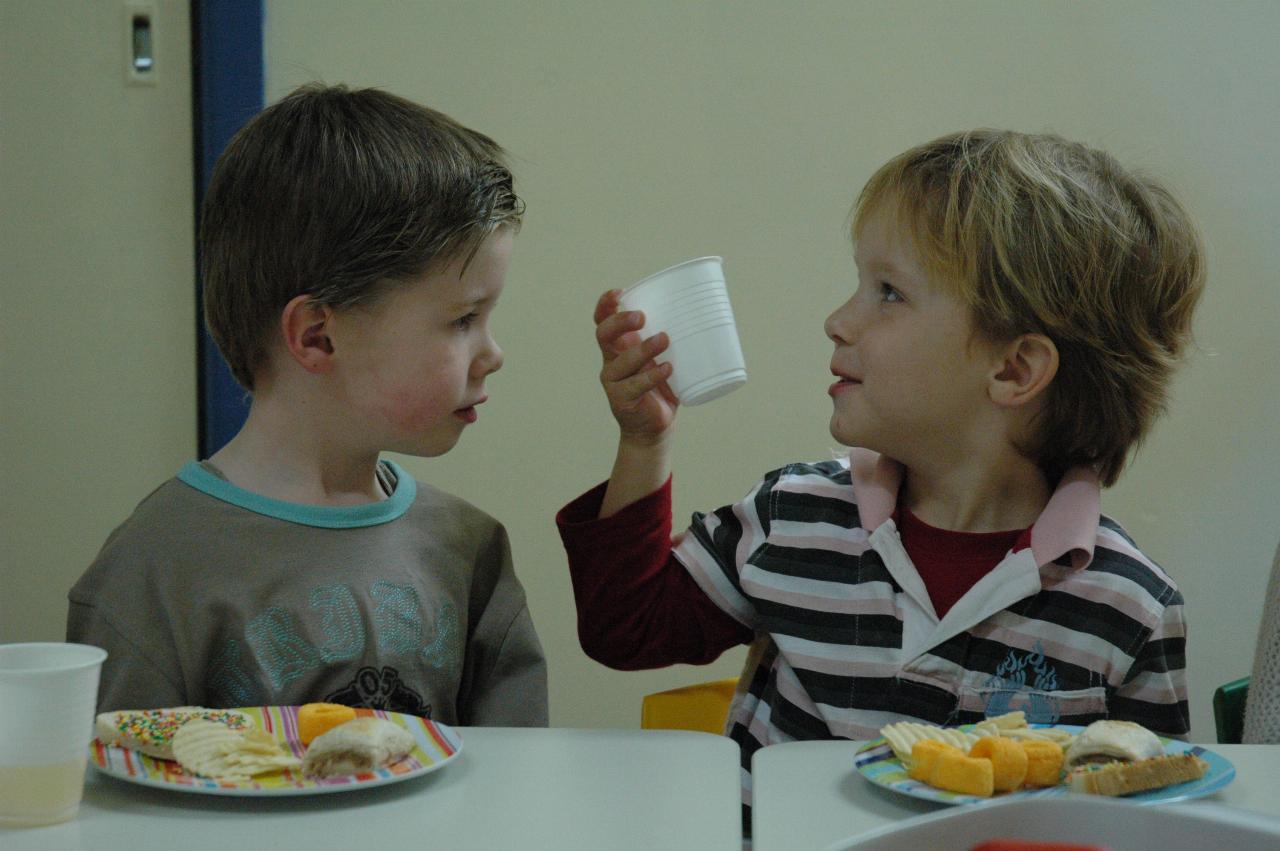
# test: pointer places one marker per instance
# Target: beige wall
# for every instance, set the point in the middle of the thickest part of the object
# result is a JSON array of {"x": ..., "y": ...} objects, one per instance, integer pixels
[
  {"x": 97, "y": 307},
  {"x": 647, "y": 133},
  {"x": 643, "y": 134}
]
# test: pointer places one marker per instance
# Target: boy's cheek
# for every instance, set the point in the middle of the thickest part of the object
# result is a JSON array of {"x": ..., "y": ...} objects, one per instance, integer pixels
[{"x": 413, "y": 414}]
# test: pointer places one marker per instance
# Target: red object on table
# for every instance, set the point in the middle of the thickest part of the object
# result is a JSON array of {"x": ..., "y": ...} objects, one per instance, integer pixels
[{"x": 1027, "y": 845}]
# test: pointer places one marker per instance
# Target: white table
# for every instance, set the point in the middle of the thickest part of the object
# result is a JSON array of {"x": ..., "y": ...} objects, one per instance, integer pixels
[
  {"x": 808, "y": 795},
  {"x": 509, "y": 788}
]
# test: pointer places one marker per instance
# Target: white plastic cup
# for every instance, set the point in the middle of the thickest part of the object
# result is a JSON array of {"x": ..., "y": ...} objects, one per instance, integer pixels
[
  {"x": 48, "y": 695},
  {"x": 689, "y": 301}
]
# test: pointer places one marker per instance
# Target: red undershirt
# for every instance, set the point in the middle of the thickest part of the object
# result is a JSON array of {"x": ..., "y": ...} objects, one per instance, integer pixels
[
  {"x": 639, "y": 608},
  {"x": 950, "y": 563}
]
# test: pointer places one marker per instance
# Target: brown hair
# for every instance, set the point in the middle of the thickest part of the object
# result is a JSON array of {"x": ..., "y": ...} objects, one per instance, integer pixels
[
  {"x": 336, "y": 194},
  {"x": 1041, "y": 235}
]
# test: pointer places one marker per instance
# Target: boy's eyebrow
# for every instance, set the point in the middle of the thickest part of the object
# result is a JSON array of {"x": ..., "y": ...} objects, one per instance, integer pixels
[
  {"x": 878, "y": 265},
  {"x": 471, "y": 303}
]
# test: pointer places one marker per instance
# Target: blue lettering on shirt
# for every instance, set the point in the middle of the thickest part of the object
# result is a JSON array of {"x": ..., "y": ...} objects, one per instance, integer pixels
[
  {"x": 340, "y": 622},
  {"x": 275, "y": 640}
]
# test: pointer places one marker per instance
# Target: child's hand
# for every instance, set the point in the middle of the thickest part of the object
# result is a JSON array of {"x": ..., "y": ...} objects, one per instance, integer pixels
[{"x": 642, "y": 403}]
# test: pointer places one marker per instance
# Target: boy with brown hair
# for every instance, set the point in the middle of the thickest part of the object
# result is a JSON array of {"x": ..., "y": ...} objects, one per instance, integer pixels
[
  {"x": 353, "y": 247},
  {"x": 1022, "y": 302}
]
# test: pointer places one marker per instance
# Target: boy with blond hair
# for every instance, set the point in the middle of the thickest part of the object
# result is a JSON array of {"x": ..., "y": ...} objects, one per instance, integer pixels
[
  {"x": 1022, "y": 302},
  {"x": 353, "y": 247}
]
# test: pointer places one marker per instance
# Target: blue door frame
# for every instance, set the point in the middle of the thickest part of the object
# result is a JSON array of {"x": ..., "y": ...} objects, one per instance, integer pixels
[{"x": 227, "y": 90}]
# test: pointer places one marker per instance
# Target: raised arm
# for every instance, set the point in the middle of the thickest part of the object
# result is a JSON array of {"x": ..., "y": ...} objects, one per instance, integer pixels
[{"x": 641, "y": 401}]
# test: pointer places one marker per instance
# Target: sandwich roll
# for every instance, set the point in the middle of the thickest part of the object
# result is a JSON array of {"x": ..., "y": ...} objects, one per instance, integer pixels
[
  {"x": 356, "y": 747},
  {"x": 1111, "y": 741}
]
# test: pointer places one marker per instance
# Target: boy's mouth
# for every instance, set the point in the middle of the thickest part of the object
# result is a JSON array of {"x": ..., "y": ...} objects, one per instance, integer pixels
[
  {"x": 842, "y": 385},
  {"x": 469, "y": 413},
  {"x": 843, "y": 382}
]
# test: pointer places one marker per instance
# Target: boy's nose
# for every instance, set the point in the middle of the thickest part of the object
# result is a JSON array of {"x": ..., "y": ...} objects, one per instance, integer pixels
[
  {"x": 837, "y": 326},
  {"x": 490, "y": 360}
]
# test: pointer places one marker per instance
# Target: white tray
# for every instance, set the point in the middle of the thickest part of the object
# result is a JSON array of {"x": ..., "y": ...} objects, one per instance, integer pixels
[{"x": 1081, "y": 819}]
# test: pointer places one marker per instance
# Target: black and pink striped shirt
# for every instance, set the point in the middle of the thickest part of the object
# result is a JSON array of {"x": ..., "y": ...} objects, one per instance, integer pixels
[{"x": 809, "y": 567}]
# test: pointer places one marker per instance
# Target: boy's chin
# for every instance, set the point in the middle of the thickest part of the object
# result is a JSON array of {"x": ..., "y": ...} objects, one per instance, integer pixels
[
  {"x": 424, "y": 449},
  {"x": 842, "y": 434}
]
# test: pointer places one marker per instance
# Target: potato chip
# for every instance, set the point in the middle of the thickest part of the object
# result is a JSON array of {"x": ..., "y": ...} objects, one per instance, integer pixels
[
  {"x": 1009, "y": 720},
  {"x": 901, "y": 735},
  {"x": 214, "y": 750}
]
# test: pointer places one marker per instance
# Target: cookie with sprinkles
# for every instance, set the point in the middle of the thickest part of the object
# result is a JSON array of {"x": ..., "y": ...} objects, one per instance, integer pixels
[{"x": 150, "y": 731}]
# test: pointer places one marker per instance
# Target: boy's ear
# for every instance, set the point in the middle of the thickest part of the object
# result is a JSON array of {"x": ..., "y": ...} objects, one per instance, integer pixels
[
  {"x": 305, "y": 326},
  {"x": 1027, "y": 367}
]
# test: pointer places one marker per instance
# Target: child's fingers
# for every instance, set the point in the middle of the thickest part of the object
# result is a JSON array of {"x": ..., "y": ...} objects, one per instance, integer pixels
[
  {"x": 624, "y": 393},
  {"x": 630, "y": 361},
  {"x": 667, "y": 393},
  {"x": 607, "y": 305},
  {"x": 617, "y": 332}
]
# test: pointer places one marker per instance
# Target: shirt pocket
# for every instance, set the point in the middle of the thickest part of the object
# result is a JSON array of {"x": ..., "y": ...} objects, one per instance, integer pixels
[{"x": 1079, "y": 706}]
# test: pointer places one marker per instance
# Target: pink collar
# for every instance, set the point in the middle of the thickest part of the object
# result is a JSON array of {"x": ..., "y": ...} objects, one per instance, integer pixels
[{"x": 1068, "y": 524}]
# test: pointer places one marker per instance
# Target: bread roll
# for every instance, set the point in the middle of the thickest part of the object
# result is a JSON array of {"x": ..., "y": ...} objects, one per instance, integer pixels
[
  {"x": 1107, "y": 741},
  {"x": 357, "y": 747}
]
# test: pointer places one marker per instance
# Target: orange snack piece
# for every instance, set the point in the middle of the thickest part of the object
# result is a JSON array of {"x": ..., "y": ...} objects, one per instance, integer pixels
[
  {"x": 317, "y": 718},
  {"x": 923, "y": 756},
  {"x": 968, "y": 775},
  {"x": 1008, "y": 761},
  {"x": 1044, "y": 763}
]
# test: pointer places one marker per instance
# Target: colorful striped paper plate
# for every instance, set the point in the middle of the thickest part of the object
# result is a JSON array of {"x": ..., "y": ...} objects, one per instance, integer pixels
[
  {"x": 876, "y": 761},
  {"x": 437, "y": 746}
]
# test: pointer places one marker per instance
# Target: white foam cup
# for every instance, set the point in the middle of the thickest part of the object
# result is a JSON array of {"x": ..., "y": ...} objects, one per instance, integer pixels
[
  {"x": 48, "y": 695},
  {"x": 689, "y": 301}
]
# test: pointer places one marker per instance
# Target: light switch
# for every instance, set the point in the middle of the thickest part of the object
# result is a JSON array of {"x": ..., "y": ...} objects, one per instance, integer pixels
[{"x": 140, "y": 44}]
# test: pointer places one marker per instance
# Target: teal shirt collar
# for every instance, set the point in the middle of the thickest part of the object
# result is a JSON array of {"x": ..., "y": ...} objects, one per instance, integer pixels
[{"x": 323, "y": 516}]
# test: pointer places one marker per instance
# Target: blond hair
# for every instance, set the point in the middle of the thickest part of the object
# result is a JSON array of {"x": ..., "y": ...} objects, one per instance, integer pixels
[{"x": 1037, "y": 234}]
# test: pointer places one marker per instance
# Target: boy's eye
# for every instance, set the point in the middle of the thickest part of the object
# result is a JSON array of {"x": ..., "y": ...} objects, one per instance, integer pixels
[
  {"x": 465, "y": 322},
  {"x": 888, "y": 293}
]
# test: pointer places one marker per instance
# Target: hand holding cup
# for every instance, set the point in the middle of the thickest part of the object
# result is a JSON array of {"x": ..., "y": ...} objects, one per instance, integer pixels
[{"x": 634, "y": 383}]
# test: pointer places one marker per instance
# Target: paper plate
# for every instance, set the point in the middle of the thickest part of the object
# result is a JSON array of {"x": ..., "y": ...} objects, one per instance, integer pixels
[
  {"x": 876, "y": 762},
  {"x": 437, "y": 746}
]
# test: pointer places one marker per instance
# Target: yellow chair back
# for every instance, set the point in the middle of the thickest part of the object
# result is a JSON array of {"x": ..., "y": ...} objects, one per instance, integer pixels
[{"x": 703, "y": 707}]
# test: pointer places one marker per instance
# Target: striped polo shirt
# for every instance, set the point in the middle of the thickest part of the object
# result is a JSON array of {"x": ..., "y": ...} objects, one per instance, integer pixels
[{"x": 1077, "y": 627}]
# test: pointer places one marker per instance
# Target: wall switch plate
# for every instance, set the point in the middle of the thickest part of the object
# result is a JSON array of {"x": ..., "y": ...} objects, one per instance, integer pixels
[{"x": 140, "y": 31}]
